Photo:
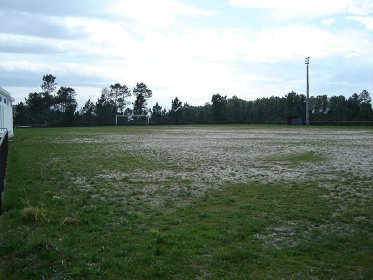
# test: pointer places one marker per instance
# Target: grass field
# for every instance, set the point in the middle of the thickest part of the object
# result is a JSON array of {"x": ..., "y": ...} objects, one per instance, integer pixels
[{"x": 193, "y": 202}]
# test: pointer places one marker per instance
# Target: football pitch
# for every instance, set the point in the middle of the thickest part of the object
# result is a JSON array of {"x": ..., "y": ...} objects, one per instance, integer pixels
[{"x": 189, "y": 202}]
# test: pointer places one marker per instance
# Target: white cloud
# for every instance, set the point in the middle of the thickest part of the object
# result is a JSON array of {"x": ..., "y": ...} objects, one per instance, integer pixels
[
  {"x": 328, "y": 21},
  {"x": 202, "y": 61},
  {"x": 160, "y": 13},
  {"x": 199, "y": 62},
  {"x": 267, "y": 45},
  {"x": 261, "y": 4},
  {"x": 289, "y": 42},
  {"x": 361, "y": 7},
  {"x": 367, "y": 21},
  {"x": 153, "y": 42},
  {"x": 305, "y": 8},
  {"x": 103, "y": 38},
  {"x": 13, "y": 65}
]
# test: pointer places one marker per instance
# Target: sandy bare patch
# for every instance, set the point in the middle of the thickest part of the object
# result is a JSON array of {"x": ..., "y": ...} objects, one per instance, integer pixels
[{"x": 209, "y": 158}]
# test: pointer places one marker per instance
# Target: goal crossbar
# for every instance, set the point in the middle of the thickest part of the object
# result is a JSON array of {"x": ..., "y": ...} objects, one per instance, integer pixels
[{"x": 131, "y": 117}]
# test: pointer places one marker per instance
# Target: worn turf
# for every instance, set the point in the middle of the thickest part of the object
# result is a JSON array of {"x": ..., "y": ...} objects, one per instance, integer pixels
[{"x": 192, "y": 202}]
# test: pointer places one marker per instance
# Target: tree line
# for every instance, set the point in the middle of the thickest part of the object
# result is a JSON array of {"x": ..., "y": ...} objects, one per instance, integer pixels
[{"x": 52, "y": 107}]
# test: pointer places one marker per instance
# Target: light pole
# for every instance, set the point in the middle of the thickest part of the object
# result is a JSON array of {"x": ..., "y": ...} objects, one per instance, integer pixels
[{"x": 308, "y": 93}]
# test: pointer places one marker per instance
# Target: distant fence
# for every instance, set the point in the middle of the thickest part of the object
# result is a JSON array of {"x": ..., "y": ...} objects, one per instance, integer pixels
[
  {"x": 3, "y": 162},
  {"x": 344, "y": 123}
]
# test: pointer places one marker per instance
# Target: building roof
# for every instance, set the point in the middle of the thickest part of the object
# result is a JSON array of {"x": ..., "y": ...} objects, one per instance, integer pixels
[{"x": 7, "y": 94}]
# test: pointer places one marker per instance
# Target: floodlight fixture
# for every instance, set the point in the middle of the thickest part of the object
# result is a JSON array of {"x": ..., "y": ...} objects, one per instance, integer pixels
[{"x": 308, "y": 93}]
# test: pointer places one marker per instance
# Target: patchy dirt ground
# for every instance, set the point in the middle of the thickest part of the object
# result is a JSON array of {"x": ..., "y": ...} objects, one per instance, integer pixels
[
  {"x": 263, "y": 202},
  {"x": 198, "y": 159},
  {"x": 340, "y": 160}
]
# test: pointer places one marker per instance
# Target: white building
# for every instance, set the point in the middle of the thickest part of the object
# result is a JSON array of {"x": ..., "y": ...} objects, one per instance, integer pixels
[{"x": 6, "y": 111}]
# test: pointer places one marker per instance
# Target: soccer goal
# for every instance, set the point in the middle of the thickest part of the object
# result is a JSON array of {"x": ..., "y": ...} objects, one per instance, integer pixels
[{"x": 133, "y": 119}]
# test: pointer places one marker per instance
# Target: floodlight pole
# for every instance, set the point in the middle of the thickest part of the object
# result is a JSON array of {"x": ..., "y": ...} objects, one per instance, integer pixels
[{"x": 308, "y": 93}]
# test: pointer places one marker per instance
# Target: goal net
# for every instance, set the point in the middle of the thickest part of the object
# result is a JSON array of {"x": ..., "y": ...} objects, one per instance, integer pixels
[{"x": 132, "y": 119}]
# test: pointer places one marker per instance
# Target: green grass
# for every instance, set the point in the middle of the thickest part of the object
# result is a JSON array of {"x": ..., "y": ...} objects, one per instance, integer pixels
[{"x": 63, "y": 221}]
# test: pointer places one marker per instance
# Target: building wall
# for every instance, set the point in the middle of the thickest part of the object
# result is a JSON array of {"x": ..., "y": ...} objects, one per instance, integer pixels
[{"x": 6, "y": 112}]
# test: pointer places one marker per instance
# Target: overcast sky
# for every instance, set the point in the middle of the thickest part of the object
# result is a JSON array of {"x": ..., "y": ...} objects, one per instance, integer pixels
[{"x": 191, "y": 49}]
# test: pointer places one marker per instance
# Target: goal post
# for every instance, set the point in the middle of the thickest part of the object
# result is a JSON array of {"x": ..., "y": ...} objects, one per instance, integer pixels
[{"x": 131, "y": 118}]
